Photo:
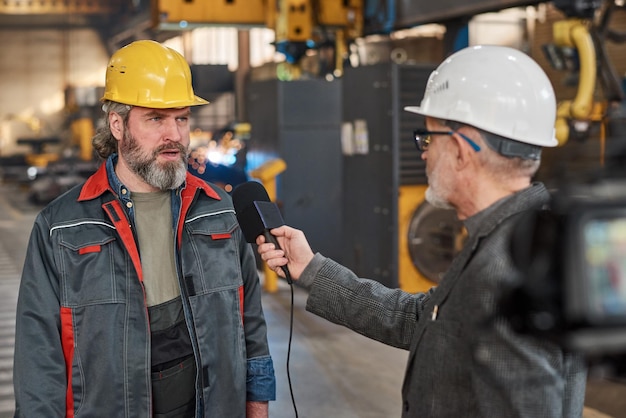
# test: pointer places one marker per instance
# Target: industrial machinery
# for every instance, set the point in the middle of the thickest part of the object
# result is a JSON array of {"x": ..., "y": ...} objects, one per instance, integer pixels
[
  {"x": 389, "y": 232},
  {"x": 579, "y": 42},
  {"x": 299, "y": 122},
  {"x": 382, "y": 181},
  {"x": 51, "y": 174},
  {"x": 589, "y": 126},
  {"x": 354, "y": 178},
  {"x": 299, "y": 25}
]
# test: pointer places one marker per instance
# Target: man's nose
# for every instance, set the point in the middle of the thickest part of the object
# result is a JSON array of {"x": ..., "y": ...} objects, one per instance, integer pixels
[{"x": 172, "y": 131}]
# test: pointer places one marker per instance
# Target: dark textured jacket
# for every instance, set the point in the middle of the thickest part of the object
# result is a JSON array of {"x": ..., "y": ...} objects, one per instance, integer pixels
[
  {"x": 82, "y": 345},
  {"x": 464, "y": 360}
]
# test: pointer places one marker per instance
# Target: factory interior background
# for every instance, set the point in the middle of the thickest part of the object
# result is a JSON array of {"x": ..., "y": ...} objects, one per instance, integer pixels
[{"x": 306, "y": 97}]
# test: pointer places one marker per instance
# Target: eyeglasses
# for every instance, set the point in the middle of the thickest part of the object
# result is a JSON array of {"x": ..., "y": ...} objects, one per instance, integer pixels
[{"x": 423, "y": 138}]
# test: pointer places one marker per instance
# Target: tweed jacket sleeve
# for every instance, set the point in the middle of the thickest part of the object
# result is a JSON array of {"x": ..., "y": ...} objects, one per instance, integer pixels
[{"x": 363, "y": 305}]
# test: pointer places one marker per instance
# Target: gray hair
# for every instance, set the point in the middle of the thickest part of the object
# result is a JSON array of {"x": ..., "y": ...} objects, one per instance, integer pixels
[
  {"x": 104, "y": 143},
  {"x": 504, "y": 165}
]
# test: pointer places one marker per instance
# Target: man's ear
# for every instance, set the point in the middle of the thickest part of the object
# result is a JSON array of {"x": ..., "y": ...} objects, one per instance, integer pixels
[
  {"x": 116, "y": 124},
  {"x": 464, "y": 152}
]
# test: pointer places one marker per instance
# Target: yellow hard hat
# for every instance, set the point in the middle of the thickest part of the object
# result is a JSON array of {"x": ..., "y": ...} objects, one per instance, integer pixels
[{"x": 148, "y": 74}]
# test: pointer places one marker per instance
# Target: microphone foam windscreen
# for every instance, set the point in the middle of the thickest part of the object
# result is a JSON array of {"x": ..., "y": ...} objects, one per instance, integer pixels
[
  {"x": 245, "y": 194},
  {"x": 255, "y": 212}
]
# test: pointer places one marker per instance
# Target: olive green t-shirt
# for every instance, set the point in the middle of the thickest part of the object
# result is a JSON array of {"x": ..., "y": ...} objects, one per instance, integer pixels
[{"x": 153, "y": 220}]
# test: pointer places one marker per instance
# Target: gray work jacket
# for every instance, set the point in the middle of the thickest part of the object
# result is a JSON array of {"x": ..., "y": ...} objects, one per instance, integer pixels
[{"x": 82, "y": 345}]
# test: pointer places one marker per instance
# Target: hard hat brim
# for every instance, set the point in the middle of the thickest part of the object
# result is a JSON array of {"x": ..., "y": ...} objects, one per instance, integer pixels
[
  {"x": 418, "y": 109},
  {"x": 415, "y": 109},
  {"x": 198, "y": 101}
]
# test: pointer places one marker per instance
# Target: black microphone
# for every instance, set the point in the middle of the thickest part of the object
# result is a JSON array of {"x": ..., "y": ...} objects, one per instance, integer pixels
[{"x": 257, "y": 214}]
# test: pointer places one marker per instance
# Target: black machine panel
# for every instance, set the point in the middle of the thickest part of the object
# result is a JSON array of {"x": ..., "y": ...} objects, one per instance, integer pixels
[
  {"x": 377, "y": 95},
  {"x": 299, "y": 122},
  {"x": 411, "y": 12},
  {"x": 348, "y": 203}
]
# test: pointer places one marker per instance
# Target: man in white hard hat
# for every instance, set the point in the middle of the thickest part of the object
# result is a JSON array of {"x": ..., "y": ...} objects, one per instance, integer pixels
[
  {"x": 140, "y": 297},
  {"x": 489, "y": 110}
]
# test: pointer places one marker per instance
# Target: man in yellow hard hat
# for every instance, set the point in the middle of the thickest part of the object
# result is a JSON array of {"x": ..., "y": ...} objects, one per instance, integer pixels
[{"x": 139, "y": 295}]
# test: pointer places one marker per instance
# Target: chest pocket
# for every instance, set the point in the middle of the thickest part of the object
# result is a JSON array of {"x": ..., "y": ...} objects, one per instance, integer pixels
[
  {"x": 213, "y": 262},
  {"x": 93, "y": 265}
]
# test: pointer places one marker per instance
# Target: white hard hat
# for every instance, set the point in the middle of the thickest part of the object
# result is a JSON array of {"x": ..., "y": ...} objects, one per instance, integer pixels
[{"x": 494, "y": 88}]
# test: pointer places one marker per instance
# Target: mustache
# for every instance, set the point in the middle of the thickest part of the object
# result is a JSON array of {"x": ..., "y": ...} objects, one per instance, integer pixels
[{"x": 173, "y": 146}]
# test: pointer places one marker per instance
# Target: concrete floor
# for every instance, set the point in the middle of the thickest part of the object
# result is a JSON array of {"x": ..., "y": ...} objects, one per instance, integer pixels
[
  {"x": 334, "y": 372},
  {"x": 15, "y": 224}
]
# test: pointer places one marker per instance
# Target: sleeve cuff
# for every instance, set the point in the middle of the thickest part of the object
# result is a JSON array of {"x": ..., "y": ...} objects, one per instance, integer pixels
[
  {"x": 310, "y": 271},
  {"x": 261, "y": 381}
]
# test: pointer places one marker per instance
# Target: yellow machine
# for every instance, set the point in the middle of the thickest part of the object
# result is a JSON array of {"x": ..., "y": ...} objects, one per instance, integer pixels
[
  {"x": 267, "y": 174},
  {"x": 410, "y": 278},
  {"x": 40, "y": 155},
  {"x": 298, "y": 24},
  {"x": 428, "y": 239},
  {"x": 575, "y": 33},
  {"x": 82, "y": 133},
  {"x": 599, "y": 86}
]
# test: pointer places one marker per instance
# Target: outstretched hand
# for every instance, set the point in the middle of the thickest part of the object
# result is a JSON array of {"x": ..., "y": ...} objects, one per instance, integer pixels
[{"x": 294, "y": 252}]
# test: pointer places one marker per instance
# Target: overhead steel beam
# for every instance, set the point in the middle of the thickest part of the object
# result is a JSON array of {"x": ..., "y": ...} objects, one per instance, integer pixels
[
  {"x": 60, "y": 14},
  {"x": 411, "y": 12},
  {"x": 50, "y": 22},
  {"x": 40, "y": 7},
  {"x": 383, "y": 17},
  {"x": 170, "y": 14}
]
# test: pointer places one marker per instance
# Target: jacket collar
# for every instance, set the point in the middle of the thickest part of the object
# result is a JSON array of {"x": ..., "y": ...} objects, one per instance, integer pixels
[
  {"x": 98, "y": 184},
  {"x": 535, "y": 196},
  {"x": 95, "y": 185},
  {"x": 193, "y": 183}
]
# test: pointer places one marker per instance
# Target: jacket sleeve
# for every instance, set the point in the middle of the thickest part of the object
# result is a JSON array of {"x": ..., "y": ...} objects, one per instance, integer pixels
[
  {"x": 261, "y": 381},
  {"x": 39, "y": 373},
  {"x": 363, "y": 305}
]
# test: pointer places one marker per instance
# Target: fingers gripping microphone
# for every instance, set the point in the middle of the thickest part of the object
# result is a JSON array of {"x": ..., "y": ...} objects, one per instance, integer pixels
[{"x": 257, "y": 214}]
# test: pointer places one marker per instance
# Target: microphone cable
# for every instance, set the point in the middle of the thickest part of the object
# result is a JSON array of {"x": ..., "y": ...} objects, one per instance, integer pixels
[
  {"x": 290, "y": 282},
  {"x": 293, "y": 400},
  {"x": 270, "y": 238}
]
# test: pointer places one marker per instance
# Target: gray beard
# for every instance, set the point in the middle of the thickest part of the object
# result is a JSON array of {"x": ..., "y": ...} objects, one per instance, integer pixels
[
  {"x": 437, "y": 201},
  {"x": 163, "y": 177},
  {"x": 167, "y": 177}
]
